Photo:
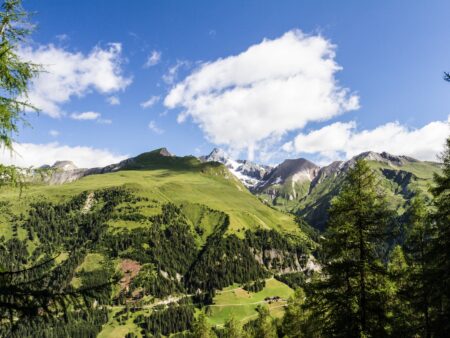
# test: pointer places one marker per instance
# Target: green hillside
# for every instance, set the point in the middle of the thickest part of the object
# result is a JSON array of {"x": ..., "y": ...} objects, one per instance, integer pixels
[
  {"x": 174, "y": 230},
  {"x": 164, "y": 179},
  {"x": 398, "y": 183}
]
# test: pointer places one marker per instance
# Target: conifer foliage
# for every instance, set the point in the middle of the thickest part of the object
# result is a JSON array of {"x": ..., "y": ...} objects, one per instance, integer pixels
[
  {"x": 350, "y": 297},
  {"x": 441, "y": 245}
]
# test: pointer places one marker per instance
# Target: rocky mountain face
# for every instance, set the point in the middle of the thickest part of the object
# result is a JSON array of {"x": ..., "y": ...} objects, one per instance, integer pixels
[
  {"x": 249, "y": 173},
  {"x": 289, "y": 179}
]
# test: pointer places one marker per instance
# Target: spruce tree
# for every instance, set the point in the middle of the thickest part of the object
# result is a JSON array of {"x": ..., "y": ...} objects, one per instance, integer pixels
[
  {"x": 441, "y": 245},
  {"x": 418, "y": 253},
  {"x": 350, "y": 296},
  {"x": 399, "y": 308}
]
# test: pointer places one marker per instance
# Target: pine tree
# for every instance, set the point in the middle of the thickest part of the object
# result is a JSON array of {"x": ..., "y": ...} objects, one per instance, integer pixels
[
  {"x": 399, "y": 308},
  {"x": 441, "y": 245},
  {"x": 350, "y": 297},
  {"x": 417, "y": 248}
]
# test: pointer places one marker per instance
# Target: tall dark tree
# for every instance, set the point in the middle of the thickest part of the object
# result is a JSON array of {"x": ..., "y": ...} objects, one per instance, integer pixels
[
  {"x": 441, "y": 244},
  {"x": 418, "y": 254},
  {"x": 351, "y": 294},
  {"x": 398, "y": 305}
]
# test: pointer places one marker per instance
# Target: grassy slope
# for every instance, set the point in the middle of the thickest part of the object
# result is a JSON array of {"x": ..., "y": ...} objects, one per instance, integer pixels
[
  {"x": 179, "y": 180},
  {"x": 235, "y": 301},
  {"x": 314, "y": 206}
]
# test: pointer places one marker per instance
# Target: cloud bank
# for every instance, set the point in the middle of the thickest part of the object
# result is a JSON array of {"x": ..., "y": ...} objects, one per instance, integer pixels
[
  {"x": 342, "y": 140},
  {"x": 29, "y": 154},
  {"x": 73, "y": 74},
  {"x": 272, "y": 88}
]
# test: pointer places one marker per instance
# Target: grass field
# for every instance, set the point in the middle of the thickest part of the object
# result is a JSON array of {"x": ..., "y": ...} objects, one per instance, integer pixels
[{"x": 235, "y": 301}]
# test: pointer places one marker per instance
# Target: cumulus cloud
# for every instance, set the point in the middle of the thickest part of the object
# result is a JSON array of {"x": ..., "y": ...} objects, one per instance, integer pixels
[
  {"x": 343, "y": 140},
  {"x": 73, "y": 74},
  {"x": 273, "y": 87},
  {"x": 29, "y": 154},
  {"x": 154, "y": 128},
  {"x": 150, "y": 102},
  {"x": 153, "y": 59},
  {"x": 89, "y": 115}
]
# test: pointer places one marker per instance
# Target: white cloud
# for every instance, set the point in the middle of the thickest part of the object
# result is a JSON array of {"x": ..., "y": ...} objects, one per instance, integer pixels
[
  {"x": 89, "y": 115},
  {"x": 342, "y": 140},
  {"x": 171, "y": 75},
  {"x": 273, "y": 87},
  {"x": 113, "y": 100},
  {"x": 73, "y": 74},
  {"x": 153, "y": 59},
  {"x": 29, "y": 154},
  {"x": 154, "y": 128},
  {"x": 54, "y": 133},
  {"x": 150, "y": 102}
]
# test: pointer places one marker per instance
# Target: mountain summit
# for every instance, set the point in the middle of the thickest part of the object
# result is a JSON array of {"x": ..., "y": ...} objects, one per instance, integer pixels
[{"x": 249, "y": 173}]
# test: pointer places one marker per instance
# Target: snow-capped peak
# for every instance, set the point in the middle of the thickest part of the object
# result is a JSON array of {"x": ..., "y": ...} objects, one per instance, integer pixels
[{"x": 250, "y": 174}]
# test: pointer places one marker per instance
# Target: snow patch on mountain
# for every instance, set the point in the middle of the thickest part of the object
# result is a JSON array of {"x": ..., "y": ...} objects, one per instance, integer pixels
[{"x": 249, "y": 173}]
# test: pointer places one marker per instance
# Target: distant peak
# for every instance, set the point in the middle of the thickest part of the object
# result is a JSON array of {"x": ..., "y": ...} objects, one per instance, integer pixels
[
  {"x": 217, "y": 155},
  {"x": 218, "y": 151},
  {"x": 64, "y": 165},
  {"x": 162, "y": 151},
  {"x": 385, "y": 157},
  {"x": 165, "y": 152},
  {"x": 299, "y": 163}
]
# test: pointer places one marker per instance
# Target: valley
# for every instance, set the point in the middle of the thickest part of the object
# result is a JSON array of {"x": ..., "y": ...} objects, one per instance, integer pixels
[{"x": 188, "y": 233}]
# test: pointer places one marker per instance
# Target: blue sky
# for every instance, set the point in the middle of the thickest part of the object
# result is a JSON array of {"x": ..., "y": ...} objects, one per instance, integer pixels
[{"x": 392, "y": 54}]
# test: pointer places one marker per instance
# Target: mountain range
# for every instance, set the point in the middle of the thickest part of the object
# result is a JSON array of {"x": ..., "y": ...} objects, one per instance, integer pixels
[
  {"x": 295, "y": 185},
  {"x": 306, "y": 189}
]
